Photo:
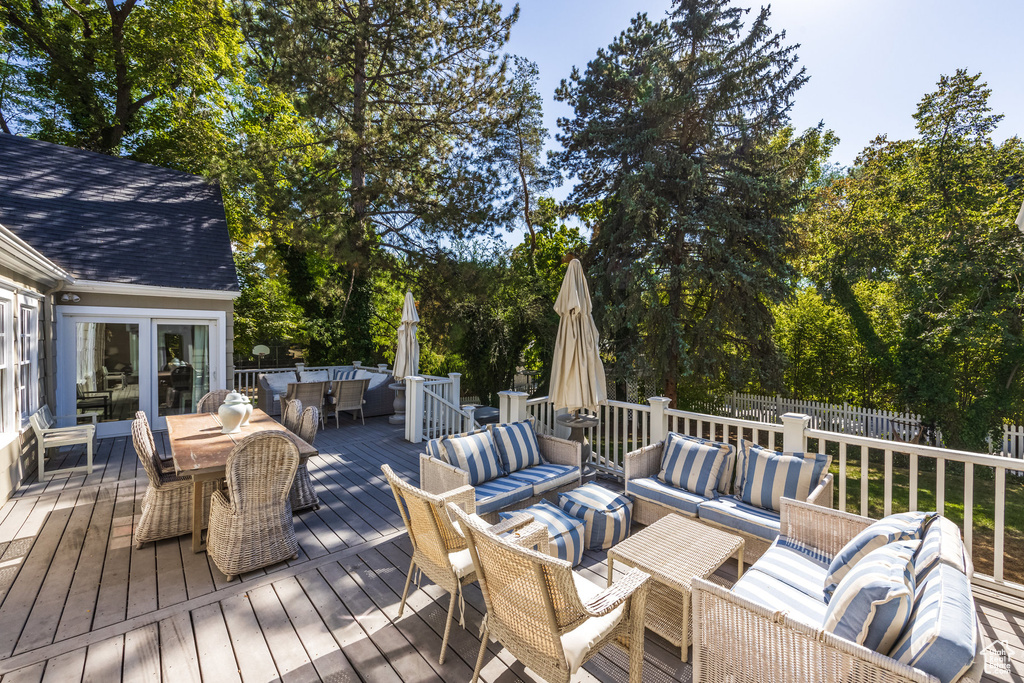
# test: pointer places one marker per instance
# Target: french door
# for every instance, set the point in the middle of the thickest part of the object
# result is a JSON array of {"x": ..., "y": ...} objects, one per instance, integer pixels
[{"x": 114, "y": 362}]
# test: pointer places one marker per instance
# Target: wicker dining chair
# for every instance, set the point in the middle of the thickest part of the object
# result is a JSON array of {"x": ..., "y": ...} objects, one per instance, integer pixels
[
  {"x": 167, "y": 505},
  {"x": 546, "y": 615},
  {"x": 348, "y": 397},
  {"x": 303, "y": 495},
  {"x": 164, "y": 464},
  {"x": 310, "y": 393},
  {"x": 438, "y": 549},
  {"x": 212, "y": 401},
  {"x": 291, "y": 411},
  {"x": 252, "y": 526}
]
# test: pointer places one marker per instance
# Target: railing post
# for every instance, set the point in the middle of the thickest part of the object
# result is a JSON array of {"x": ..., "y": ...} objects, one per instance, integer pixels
[
  {"x": 468, "y": 417},
  {"x": 512, "y": 406},
  {"x": 659, "y": 420},
  {"x": 793, "y": 426},
  {"x": 456, "y": 378},
  {"x": 414, "y": 409},
  {"x": 299, "y": 367},
  {"x": 356, "y": 364},
  {"x": 382, "y": 367}
]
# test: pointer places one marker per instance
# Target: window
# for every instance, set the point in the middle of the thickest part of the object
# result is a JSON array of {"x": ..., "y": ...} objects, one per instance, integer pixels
[
  {"x": 28, "y": 358},
  {"x": 5, "y": 369}
]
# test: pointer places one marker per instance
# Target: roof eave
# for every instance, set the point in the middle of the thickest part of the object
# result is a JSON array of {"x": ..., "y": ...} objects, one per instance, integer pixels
[
  {"x": 131, "y": 289},
  {"x": 17, "y": 255}
]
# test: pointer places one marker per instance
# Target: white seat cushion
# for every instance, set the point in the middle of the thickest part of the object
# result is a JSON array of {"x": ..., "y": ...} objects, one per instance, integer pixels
[
  {"x": 462, "y": 562},
  {"x": 577, "y": 643}
]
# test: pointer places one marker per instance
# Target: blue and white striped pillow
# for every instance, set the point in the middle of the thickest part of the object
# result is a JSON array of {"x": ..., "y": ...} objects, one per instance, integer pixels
[
  {"x": 435, "y": 447},
  {"x": 904, "y": 526},
  {"x": 476, "y": 454},
  {"x": 517, "y": 445},
  {"x": 872, "y": 604},
  {"x": 772, "y": 475},
  {"x": 346, "y": 374},
  {"x": 692, "y": 464}
]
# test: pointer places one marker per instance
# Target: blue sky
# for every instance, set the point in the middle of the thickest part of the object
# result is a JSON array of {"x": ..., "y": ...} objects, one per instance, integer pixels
[{"x": 870, "y": 61}]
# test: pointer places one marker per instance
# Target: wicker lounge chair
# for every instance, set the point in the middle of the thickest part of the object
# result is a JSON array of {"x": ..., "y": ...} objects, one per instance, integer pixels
[
  {"x": 252, "y": 526},
  {"x": 212, "y": 400},
  {"x": 167, "y": 505},
  {"x": 348, "y": 397},
  {"x": 550, "y": 618},
  {"x": 303, "y": 495},
  {"x": 310, "y": 393},
  {"x": 438, "y": 549}
]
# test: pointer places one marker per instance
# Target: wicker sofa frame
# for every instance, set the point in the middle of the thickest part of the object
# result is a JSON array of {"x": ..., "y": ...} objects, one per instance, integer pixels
[
  {"x": 438, "y": 477},
  {"x": 646, "y": 462}
]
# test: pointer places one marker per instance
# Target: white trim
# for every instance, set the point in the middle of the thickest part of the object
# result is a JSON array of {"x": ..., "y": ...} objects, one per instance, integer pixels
[
  {"x": 97, "y": 287},
  {"x": 17, "y": 255}
]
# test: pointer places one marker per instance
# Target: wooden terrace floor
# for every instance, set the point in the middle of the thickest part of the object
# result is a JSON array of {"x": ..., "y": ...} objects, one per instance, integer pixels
[{"x": 79, "y": 602}]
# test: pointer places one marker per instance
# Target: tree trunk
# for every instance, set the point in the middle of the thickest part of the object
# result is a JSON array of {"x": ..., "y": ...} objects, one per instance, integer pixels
[{"x": 358, "y": 163}]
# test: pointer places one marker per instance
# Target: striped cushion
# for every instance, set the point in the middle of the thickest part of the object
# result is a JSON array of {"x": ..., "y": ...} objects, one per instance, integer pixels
[
  {"x": 517, "y": 445},
  {"x": 605, "y": 514},
  {"x": 658, "y": 491},
  {"x": 795, "y": 564},
  {"x": 942, "y": 637},
  {"x": 871, "y": 605},
  {"x": 768, "y": 591},
  {"x": 941, "y": 542},
  {"x": 771, "y": 475},
  {"x": 747, "y": 519},
  {"x": 476, "y": 454},
  {"x": 346, "y": 374},
  {"x": 905, "y": 526},
  {"x": 499, "y": 493},
  {"x": 435, "y": 447},
  {"x": 692, "y": 464},
  {"x": 544, "y": 478},
  {"x": 565, "y": 532}
]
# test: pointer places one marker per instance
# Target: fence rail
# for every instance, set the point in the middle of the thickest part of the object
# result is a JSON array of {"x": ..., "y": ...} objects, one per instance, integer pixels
[{"x": 246, "y": 381}]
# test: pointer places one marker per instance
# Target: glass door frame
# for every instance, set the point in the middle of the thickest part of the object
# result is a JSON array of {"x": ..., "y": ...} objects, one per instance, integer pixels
[{"x": 147, "y": 320}]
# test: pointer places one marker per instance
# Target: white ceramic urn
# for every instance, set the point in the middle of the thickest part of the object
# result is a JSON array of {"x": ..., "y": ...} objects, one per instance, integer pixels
[
  {"x": 248, "y": 410},
  {"x": 232, "y": 412}
]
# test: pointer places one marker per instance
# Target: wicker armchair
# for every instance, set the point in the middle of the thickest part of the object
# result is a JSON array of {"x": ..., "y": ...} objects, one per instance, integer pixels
[
  {"x": 290, "y": 414},
  {"x": 348, "y": 397},
  {"x": 167, "y": 505},
  {"x": 212, "y": 401},
  {"x": 310, "y": 393},
  {"x": 550, "y": 618},
  {"x": 303, "y": 495},
  {"x": 438, "y": 549},
  {"x": 252, "y": 526}
]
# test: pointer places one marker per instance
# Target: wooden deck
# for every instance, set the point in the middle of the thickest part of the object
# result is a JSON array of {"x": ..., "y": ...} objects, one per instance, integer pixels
[{"x": 79, "y": 602}]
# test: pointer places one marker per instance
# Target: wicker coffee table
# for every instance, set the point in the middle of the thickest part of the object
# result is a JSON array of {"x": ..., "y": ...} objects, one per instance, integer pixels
[{"x": 674, "y": 550}]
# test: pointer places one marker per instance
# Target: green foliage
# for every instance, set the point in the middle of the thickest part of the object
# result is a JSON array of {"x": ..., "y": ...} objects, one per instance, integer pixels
[{"x": 264, "y": 311}]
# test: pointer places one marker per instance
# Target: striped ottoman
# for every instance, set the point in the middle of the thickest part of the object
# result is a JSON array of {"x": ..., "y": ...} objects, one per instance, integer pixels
[
  {"x": 607, "y": 515},
  {"x": 565, "y": 532}
]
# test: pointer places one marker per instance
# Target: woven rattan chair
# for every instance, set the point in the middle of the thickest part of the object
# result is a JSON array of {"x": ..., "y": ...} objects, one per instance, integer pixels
[
  {"x": 438, "y": 549},
  {"x": 348, "y": 397},
  {"x": 310, "y": 393},
  {"x": 290, "y": 414},
  {"x": 303, "y": 495},
  {"x": 167, "y": 505},
  {"x": 252, "y": 526},
  {"x": 547, "y": 616},
  {"x": 212, "y": 401}
]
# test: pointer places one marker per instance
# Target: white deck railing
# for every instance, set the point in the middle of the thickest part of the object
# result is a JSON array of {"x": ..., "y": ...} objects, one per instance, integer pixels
[{"x": 246, "y": 381}]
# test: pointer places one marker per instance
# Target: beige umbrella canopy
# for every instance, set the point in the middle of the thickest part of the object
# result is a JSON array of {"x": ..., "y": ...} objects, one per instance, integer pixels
[
  {"x": 577, "y": 374},
  {"x": 407, "y": 357},
  {"x": 1020, "y": 218}
]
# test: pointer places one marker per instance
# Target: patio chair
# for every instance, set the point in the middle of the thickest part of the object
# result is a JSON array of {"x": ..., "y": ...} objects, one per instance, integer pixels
[
  {"x": 212, "y": 400},
  {"x": 290, "y": 414},
  {"x": 89, "y": 400},
  {"x": 303, "y": 495},
  {"x": 251, "y": 527},
  {"x": 438, "y": 549},
  {"x": 348, "y": 397},
  {"x": 48, "y": 435},
  {"x": 164, "y": 464},
  {"x": 546, "y": 615},
  {"x": 167, "y": 505},
  {"x": 310, "y": 393}
]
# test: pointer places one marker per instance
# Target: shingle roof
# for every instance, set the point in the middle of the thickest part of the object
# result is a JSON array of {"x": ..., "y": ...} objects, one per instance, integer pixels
[{"x": 115, "y": 220}]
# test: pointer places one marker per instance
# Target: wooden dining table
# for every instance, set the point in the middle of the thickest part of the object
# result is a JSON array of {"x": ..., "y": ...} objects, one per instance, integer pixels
[{"x": 200, "y": 451}]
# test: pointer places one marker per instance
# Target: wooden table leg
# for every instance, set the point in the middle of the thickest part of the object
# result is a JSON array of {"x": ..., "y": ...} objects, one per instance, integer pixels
[{"x": 197, "y": 516}]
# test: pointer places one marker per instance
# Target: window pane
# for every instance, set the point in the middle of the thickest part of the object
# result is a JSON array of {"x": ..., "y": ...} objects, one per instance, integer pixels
[
  {"x": 183, "y": 367},
  {"x": 107, "y": 378}
]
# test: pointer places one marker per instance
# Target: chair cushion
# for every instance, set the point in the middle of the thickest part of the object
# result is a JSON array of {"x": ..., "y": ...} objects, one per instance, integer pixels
[
  {"x": 795, "y": 564},
  {"x": 692, "y": 464},
  {"x": 435, "y": 447},
  {"x": 499, "y": 493},
  {"x": 565, "y": 532},
  {"x": 278, "y": 382},
  {"x": 941, "y": 542},
  {"x": 768, "y": 591},
  {"x": 772, "y": 475},
  {"x": 871, "y": 605},
  {"x": 462, "y": 562},
  {"x": 517, "y": 445},
  {"x": 605, "y": 514},
  {"x": 577, "y": 643},
  {"x": 905, "y": 526},
  {"x": 476, "y": 454},
  {"x": 544, "y": 478},
  {"x": 315, "y": 376},
  {"x": 942, "y": 636},
  {"x": 658, "y": 491},
  {"x": 734, "y": 514},
  {"x": 346, "y": 374}
]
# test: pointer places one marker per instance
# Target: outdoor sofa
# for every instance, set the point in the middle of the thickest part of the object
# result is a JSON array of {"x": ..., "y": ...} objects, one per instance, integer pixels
[
  {"x": 379, "y": 397},
  {"x": 900, "y": 606},
  {"x": 735, "y": 489},
  {"x": 509, "y": 466}
]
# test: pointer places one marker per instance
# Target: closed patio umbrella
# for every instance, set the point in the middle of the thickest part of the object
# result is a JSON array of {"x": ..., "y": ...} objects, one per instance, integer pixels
[
  {"x": 1020, "y": 218},
  {"x": 407, "y": 356},
  {"x": 577, "y": 374}
]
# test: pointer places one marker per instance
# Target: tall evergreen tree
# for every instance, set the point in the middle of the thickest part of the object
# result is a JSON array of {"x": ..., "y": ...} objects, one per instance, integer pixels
[{"x": 680, "y": 132}]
